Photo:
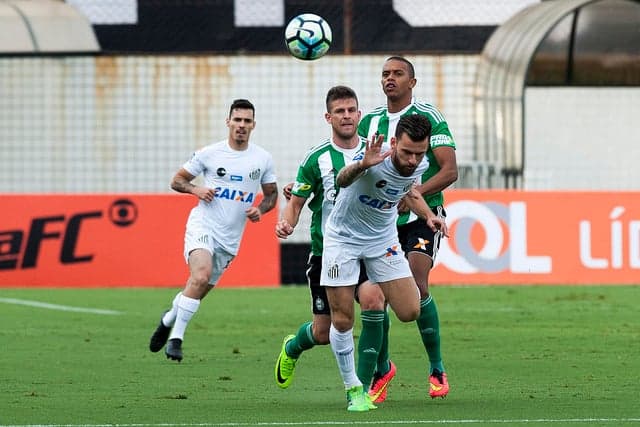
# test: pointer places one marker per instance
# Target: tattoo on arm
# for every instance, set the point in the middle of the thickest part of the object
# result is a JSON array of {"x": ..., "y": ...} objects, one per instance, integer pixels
[
  {"x": 349, "y": 174},
  {"x": 270, "y": 197}
]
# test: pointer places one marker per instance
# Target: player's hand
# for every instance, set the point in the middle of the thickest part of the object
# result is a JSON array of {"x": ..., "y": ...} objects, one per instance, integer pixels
[
  {"x": 438, "y": 224},
  {"x": 373, "y": 153},
  {"x": 283, "y": 229},
  {"x": 204, "y": 193},
  {"x": 286, "y": 190},
  {"x": 253, "y": 214}
]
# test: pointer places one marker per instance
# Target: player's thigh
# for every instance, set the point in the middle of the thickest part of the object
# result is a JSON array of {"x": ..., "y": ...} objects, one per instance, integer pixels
[
  {"x": 200, "y": 264},
  {"x": 403, "y": 297}
]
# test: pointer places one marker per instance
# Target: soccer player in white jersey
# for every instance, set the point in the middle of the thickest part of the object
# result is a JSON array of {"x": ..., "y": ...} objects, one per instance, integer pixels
[
  {"x": 234, "y": 171},
  {"x": 362, "y": 226}
]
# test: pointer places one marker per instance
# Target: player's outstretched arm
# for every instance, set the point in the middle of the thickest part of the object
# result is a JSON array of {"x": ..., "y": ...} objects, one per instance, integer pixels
[
  {"x": 416, "y": 203},
  {"x": 290, "y": 216}
]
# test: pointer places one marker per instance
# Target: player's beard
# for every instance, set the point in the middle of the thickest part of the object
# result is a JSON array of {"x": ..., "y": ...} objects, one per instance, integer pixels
[{"x": 402, "y": 170}]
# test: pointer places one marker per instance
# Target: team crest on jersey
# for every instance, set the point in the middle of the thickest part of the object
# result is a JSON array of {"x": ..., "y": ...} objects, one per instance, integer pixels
[
  {"x": 407, "y": 187},
  {"x": 254, "y": 174},
  {"x": 221, "y": 172}
]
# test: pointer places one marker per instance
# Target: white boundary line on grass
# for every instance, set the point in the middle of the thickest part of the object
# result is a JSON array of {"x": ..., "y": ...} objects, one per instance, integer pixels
[
  {"x": 58, "y": 307},
  {"x": 348, "y": 423}
]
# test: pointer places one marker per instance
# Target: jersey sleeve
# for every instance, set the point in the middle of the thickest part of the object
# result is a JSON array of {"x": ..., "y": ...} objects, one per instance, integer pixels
[
  {"x": 269, "y": 175},
  {"x": 441, "y": 136},
  {"x": 195, "y": 165},
  {"x": 305, "y": 181}
]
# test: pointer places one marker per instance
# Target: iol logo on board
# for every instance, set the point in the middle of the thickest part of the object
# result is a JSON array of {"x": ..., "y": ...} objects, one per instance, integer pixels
[{"x": 490, "y": 237}]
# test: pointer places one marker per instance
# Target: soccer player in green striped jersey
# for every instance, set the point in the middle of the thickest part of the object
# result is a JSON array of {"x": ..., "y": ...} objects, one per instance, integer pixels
[
  {"x": 315, "y": 182},
  {"x": 418, "y": 241}
]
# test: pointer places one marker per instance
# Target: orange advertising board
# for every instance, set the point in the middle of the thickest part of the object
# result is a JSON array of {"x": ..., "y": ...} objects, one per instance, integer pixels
[
  {"x": 117, "y": 240},
  {"x": 518, "y": 237}
]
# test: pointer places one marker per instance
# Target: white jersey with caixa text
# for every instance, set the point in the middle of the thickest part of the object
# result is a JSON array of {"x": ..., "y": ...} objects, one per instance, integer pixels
[
  {"x": 365, "y": 212},
  {"x": 236, "y": 176}
]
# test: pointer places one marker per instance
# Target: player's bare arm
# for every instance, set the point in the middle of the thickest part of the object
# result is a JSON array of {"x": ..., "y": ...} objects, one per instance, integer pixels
[
  {"x": 181, "y": 183},
  {"x": 447, "y": 175},
  {"x": 372, "y": 156},
  {"x": 290, "y": 216},
  {"x": 416, "y": 203},
  {"x": 270, "y": 196}
]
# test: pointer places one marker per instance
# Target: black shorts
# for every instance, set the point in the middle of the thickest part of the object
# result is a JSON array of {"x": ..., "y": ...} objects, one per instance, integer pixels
[
  {"x": 416, "y": 236},
  {"x": 319, "y": 301}
]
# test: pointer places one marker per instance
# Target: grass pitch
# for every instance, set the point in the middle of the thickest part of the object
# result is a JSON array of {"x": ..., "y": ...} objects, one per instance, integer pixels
[{"x": 515, "y": 356}]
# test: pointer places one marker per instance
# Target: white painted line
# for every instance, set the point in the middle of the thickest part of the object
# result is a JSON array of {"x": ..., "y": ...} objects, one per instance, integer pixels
[
  {"x": 351, "y": 423},
  {"x": 58, "y": 307}
]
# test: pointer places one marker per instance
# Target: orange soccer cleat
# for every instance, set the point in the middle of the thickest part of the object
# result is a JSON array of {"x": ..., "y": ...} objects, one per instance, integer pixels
[
  {"x": 380, "y": 383},
  {"x": 438, "y": 384}
]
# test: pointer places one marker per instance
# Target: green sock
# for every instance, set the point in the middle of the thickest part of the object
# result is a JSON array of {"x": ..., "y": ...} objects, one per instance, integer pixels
[
  {"x": 429, "y": 327},
  {"x": 383, "y": 365},
  {"x": 369, "y": 344},
  {"x": 302, "y": 341}
]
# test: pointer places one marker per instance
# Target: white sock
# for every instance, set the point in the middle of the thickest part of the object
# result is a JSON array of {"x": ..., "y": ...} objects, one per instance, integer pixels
[
  {"x": 343, "y": 348},
  {"x": 187, "y": 307},
  {"x": 169, "y": 317}
]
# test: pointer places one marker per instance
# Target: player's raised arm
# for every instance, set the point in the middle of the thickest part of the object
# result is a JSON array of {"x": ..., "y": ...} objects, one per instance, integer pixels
[{"x": 372, "y": 156}]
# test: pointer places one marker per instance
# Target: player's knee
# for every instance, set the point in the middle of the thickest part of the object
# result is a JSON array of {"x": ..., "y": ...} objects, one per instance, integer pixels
[
  {"x": 371, "y": 298},
  {"x": 200, "y": 278},
  {"x": 408, "y": 314},
  {"x": 341, "y": 322}
]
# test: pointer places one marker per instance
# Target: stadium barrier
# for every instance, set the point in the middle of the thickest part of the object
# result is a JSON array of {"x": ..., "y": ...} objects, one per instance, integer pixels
[
  {"x": 551, "y": 237},
  {"x": 497, "y": 237},
  {"x": 116, "y": 240}
]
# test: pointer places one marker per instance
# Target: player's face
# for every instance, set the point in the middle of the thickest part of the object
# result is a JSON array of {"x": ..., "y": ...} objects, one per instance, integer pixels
[
  {"x": 396, "y": 81},
  {"x": 407, "y": 154},
  {"x": 343, "y": 116},
  {"x": 240, "y": 125}
]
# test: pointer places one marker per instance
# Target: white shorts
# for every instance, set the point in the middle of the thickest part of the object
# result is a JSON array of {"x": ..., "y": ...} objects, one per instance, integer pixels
[
  {"x": 341, "y": 263},
  {"x": 197, "y": 239}
]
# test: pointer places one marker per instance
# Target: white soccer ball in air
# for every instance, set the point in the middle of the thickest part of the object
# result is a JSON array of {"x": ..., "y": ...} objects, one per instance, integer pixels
[{"x": 308, "y": 36}]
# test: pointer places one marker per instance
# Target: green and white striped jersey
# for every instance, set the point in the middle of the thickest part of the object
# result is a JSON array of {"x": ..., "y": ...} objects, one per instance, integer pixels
[
  {"x": 380, "y": 121},
  {"x": 317, "y": 176}
]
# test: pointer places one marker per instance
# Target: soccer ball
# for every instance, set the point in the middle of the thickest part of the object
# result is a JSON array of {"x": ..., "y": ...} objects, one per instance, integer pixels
[{"x": 308, "y": 36}]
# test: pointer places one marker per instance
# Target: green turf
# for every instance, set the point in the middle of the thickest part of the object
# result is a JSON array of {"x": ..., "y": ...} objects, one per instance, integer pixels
[{"x": 515, "y": 356}]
